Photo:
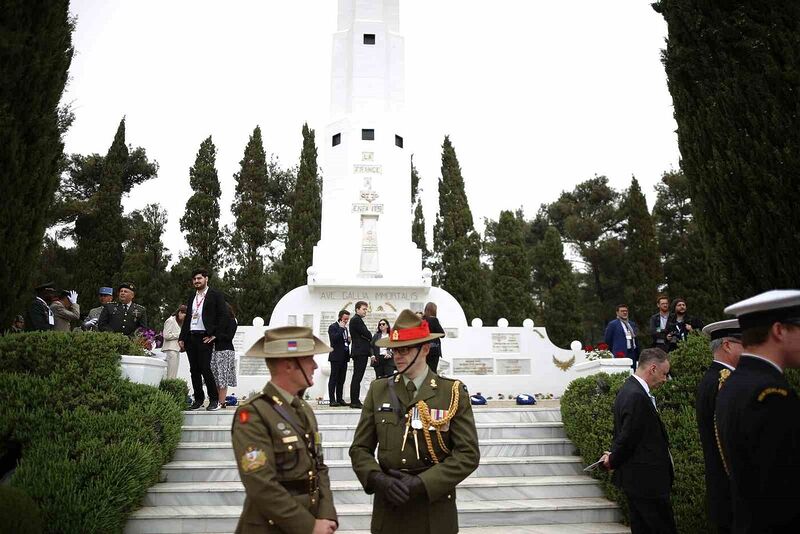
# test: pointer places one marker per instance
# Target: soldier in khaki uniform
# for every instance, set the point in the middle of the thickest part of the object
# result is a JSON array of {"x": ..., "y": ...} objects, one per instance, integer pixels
[
  {"x": 424, "y": 431},
  {"x": 278, "y": 446}
]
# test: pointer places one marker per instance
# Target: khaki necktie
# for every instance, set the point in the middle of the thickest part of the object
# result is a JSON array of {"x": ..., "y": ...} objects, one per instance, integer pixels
[{"x": 412, "y": 390}]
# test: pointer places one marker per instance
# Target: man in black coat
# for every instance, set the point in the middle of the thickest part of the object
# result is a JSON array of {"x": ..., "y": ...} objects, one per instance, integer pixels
[
  {"x": 435, "y": 327},
  {"x": 726, "y": 346},
  {"x": 758, "y": 416},
  {"x": 640, "y": 453},
  {"x": 360, "y": 350},
  {"x": 206, "y": 316},
  {"x": 123, "y": 316},
  {"x": 38, "y": 316},
  {"x": 340, "y": 343}
]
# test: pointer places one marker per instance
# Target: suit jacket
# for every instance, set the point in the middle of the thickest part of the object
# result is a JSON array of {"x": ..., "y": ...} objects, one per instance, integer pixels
[
  {"x": 361, "y": 337},
  {"x": 341, "y": 349},
  {"x": 759, "y": 431},
  {"x": 616, "y": 340},
  {"x": 64, "y": 316},
  {"x": 658, "y": 334},
  {"x": 436, "y": 328},
  {"x": 381, "y": 429},
  {"x": 215, "y": 314},
  {"x": 718, "y": 488},
  {"x": 640, "y": 451},
  {"x": 115, "y": 317},
  {"x": 224, "y": 339},
  {"x": 37, "y": 316}
]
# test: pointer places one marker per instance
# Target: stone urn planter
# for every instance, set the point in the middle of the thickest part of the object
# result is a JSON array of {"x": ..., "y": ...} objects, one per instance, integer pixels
[
  {"x": 604, "y": 365},
  {"x": 143, "y": 369}
]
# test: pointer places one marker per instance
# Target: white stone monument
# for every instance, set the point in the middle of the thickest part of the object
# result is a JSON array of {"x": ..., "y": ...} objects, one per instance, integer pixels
[{"x": 366, "y": 252}]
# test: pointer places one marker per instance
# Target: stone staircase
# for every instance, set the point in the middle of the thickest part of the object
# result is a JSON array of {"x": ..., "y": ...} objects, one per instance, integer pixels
[{"x": 528, "y": 480}]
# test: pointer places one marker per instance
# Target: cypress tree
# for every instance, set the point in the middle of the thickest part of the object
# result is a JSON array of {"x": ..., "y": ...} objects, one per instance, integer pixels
[
  {"x": 689, "y": 269},
  {"x": 511, "y": 277},
  {"x": 249, "y": 234},
  {"x": 145, "y": 263},
  {"x": 35, "y": 55},
  {"x": 200, "y": 221},
  {"x": 418, "y": 224},
  {"x": 101, "y": 231},
  {"x": 642, "y": 274},
  {"x": 556, "y": 289},
  {"x": 456, "y": 244},
  {"x": 733, "y": 70},
  {"x": 304, "y": 221}
]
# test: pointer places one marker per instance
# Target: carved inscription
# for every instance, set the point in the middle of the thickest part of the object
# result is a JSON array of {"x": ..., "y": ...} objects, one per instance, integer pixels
[
  {"x": 473, "y": 366},
  {"x": 513, "y": 367},
  {"x": 505, "y": 343}
]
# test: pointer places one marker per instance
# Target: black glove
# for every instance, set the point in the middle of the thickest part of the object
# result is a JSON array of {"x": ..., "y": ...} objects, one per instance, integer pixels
[
  {"x": 392, "y": 489},
  {"x": 413, "y": 483}
]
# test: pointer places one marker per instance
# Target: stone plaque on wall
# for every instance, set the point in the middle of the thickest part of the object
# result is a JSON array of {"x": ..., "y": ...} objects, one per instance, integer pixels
[
  {"x": 416, "y": 306},
  {"x": 291, "y": 320},
  {"x": 513, "y": 366},
  {"x": 451, "y": 332},
  {"x": 473, "y": 366},
  {"x": 504, "y": 343},
  {"x": 308, "y": 320},
  {"x": 238, "y": 342},
  {"x": 325, "y": 320},
  {"x": 252, "y": 367}
]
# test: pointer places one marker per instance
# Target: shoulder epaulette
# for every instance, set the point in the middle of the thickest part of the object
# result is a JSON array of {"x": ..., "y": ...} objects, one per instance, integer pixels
[
  {"x": 723, "y": 376},
  {"x": 772, "y": 391}
]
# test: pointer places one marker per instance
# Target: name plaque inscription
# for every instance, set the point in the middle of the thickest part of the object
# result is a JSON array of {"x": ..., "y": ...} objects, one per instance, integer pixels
[
  {"x": 451, "y": 332},
  {"x": 505, "y": 343},
  {"x": 326, "y": 319},
  {"x": 238, "y": 342},
  {"x": 473, "y": 366},
  {"x": 252, "y": 367},
  {"x": 513, "y": 367}
]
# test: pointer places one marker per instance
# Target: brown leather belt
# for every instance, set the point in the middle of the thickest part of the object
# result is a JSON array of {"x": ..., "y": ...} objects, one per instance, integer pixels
[{"x": 301, "y": 487}]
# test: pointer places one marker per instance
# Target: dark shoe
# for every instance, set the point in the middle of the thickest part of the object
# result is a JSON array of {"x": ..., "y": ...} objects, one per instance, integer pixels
[
  {"x": 334, "y": 405},
  {"x": 213, "y": 407},
  {"x": 196, "y": 405},
  {"x": 223, "y": 405},
  {"x": 356, "y": 404}
]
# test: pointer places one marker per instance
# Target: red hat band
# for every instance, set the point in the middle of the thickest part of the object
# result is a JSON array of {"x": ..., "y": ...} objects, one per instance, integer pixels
[{"x": 408, "y": 334}]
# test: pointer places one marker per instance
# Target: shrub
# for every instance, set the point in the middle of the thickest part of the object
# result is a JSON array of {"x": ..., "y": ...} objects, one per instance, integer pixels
[
  {"x": 175, "y": 388},
  {"x": 20, "y": 513},
  {"x": 92, "y": 443}
]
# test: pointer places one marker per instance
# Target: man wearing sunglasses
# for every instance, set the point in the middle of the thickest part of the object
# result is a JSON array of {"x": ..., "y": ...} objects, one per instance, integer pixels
[{"x": 726, "y": 347}]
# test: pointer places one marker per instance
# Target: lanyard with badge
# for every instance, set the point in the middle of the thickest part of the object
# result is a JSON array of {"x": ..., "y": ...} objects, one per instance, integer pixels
[{"x": 198, "y": 304}]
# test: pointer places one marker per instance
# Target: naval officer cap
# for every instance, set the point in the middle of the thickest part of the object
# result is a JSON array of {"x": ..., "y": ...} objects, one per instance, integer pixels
[
  {"x": 287, "y": 342},
  {"x": 105, "y": 291},
  {"x": 723, "y": 329},
  {"x": 47, "y": 286},
  {"x": 776, "y": 306}
]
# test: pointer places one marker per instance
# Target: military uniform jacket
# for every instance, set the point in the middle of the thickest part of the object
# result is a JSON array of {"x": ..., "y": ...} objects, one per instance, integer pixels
[
  {"x": 718, "y": 488},
  {"x": 285, "y": 478},
  {"x": 381, "y": 427},
  {"x": 115, "y": 317},
  {"x": 758, "y": 421}
]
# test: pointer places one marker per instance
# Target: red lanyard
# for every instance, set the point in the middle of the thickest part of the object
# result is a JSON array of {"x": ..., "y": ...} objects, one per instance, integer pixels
[{"x": 199, "y": 303}]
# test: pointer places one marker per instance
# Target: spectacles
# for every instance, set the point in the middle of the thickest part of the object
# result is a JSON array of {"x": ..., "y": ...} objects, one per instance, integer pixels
[{"x": 402, "y": 351}]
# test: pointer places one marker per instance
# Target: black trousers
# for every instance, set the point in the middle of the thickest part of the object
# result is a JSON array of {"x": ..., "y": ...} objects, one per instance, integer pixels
[
  {"x": 359, "y": 366},
  {"x": 336, "y": 381},
  {"x": 199, "y": 354},
  {"x": 651, "y": 516}
]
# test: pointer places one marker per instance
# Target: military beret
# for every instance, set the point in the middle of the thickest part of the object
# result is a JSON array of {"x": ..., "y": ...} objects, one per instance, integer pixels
[{"x": 127, "y": 285}]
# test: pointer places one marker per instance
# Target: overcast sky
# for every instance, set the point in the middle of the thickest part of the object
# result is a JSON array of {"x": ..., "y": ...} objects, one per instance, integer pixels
[{"x": 536, "y": 96}]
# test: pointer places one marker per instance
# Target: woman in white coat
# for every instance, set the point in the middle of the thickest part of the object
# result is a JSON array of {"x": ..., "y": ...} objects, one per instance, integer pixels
[{"x": 172, "y": 330}]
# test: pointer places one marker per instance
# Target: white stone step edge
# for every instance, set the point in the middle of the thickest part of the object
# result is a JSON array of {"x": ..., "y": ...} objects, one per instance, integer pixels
[
  {"x": 346, "y": 444},
  {"x": 562, "y": 528}
]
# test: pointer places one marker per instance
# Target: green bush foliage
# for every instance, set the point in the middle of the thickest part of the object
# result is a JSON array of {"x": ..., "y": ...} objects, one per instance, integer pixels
[
  {"x": 587, "y": 411},
  {"x": 20, "y": 513},
  {"x": 175, "y": 388},
  {"x": 92, "y": 443}
]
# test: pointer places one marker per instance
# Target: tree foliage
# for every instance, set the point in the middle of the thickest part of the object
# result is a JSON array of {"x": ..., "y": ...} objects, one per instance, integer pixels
[
  {"x": 456, "y": 245},
  {"x": 733, "y": 70},
  {"x": 511, "y": 274},
  {"x": 304, "y": 221},
  {"x": 200, "y": 221},
  {"x": 35, "y": 55},
  {"x": 642, "y": 274},
  {"x": 418, "y": 224}
]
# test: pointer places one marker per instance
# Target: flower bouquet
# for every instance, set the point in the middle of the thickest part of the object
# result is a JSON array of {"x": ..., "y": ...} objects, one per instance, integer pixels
[
  {"x": 598, "y": 352},
  {"x": 145, "y": 338}
]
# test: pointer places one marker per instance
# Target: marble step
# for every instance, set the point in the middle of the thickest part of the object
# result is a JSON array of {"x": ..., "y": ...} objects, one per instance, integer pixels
[
  {"x": 545, "y": 429},
  {"x": 531, "y": 466},
  {"x": 202, "y": 450},
  {"x": 351, "y": 492},
  {"x": 175, "y": 519},
  {"x": 349, "y": 416}
]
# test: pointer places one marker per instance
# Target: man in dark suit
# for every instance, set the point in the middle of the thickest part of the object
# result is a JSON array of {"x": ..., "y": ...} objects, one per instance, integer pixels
[
  {"x": 38, "y": 316},
  {"x": 620, "y": 336},
  {"x": 206, "y": 316},
  {"x": 640, "y": 454},
  {"x": 436, "y": 345},
  {"x": 124, "y": 316},
  {"x": 338, "y": 357},
  {"x": 360, "y": 351},
  {"x": 758, "y": 416},
  {"x": 726, "y": 346},
  {"x": 658, "y": 323}
]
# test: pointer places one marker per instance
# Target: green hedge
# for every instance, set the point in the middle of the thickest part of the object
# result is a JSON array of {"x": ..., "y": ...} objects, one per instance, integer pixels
[
  {"x": 92, "y": 443},
  {"x": 587, "y": 411}
]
